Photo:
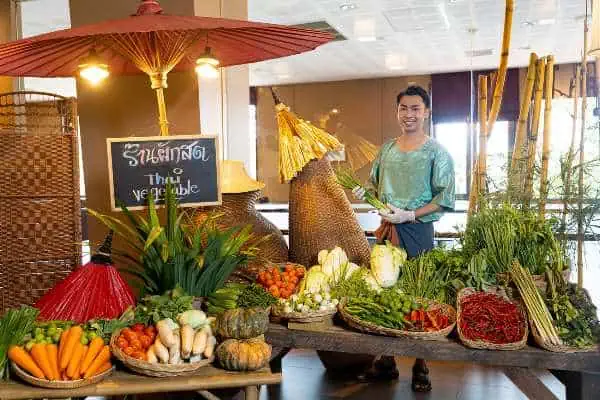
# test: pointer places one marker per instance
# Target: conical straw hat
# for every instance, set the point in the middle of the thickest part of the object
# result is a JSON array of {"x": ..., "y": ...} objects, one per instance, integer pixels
[{"x": 235, "y": 179}]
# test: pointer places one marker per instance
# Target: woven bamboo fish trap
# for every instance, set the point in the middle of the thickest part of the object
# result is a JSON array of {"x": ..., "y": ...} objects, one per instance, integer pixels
[
  {"x": 321, "y": 217},
  {"x": 238, "y": 209},
  {"x": 40, "y": 216}
]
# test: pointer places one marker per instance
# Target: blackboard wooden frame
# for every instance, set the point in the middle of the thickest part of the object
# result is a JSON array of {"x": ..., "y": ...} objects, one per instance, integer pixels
[{"x": 218, "y": 160}]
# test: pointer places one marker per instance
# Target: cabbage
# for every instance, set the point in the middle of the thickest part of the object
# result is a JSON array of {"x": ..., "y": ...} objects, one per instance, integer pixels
[
  {"x": 386, "y": 261},
  {"x": 335, "y": 259},
  {"x": 315, "y": 281},
  {"x": 372, "y": 282}
]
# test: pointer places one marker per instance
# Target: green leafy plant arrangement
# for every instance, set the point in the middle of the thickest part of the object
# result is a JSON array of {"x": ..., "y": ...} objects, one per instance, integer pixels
[{"x": 197, "y": 258}]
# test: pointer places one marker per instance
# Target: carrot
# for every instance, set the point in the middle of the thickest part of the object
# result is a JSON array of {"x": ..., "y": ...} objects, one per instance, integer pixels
[
  {"x": 63, "y": 376},
  {"x": 73, "y": 338},
  {"x": 40, "y": 356},
  {"x": 102, "y": 357},
  {"x": 78, "y": 372},
  {"x": 62, "y": 342},
  {"x": 75, "y": 360},
  {"x": 104, "y": 367},
  {"x": 19, "y": 356},
  {"x": 95, "y": 346},
  {"x": 52, "y": 351}
]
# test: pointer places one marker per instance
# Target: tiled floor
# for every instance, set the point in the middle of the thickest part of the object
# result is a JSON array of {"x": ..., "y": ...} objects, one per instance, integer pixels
[{"x": 305, "y": 379}]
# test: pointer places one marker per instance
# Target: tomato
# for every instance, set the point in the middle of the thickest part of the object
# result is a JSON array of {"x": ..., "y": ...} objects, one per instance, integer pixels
[
  {"x": 122, "y": 342},
  {"x": 294, "y": 280},
  {"x": 299, "y": 272},
  {"x": 289, "y": 268},
  {"x": 129, "y": 350},
  {"x": 146, "y": 341},
  {"x": 150, "y": 330},
  {"x": 124, "y": 331},
  {"x": 268, "y": 277},
  {"x": 274, "y": 290},
  {"x": 138, "y": 327},
  {"x": 136, "y": 344}
]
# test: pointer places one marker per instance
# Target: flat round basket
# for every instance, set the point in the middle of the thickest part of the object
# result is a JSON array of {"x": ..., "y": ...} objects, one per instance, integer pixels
[
  {"x": 156, "y": 370},
  {"x": 544, "y": 344},
  {"x": 482, "y": 344},
  {"x": 32, "y": 380},
  {"x": 369, "y": 327},
  {"x": 313, "y": 316}
]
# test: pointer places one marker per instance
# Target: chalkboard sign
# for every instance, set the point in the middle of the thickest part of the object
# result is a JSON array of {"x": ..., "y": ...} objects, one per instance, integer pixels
[{"x": 139, "y": 166}]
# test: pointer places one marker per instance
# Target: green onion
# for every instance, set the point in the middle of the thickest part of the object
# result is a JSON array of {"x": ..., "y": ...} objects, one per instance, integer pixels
[{"x": 348, "y": 180}]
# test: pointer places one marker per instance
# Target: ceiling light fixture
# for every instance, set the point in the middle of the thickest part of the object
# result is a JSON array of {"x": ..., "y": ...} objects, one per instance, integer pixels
[
  {"x": 348, "y": 7},
  {"x": 207, "y": 64},
  {"x": 93, "y": 69},
  {"x": 367, "y": 39}
]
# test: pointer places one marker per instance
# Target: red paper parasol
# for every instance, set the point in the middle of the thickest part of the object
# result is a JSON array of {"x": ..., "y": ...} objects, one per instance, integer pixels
[{"x": 155, "y": 44}]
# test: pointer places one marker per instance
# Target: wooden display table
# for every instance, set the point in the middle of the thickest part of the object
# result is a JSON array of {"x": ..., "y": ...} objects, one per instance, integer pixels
[
  {"x": 121, "y": 383},
  {"x": 580, "y": 372}
]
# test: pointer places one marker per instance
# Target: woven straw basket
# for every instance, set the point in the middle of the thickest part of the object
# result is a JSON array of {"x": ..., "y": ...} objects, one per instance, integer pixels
[
  {"x": 321, "y": 217},
  {"x": 560, "y": 348},
  {"x": 369, "y": 327},
  {"x": 482, "y": 344},
  {"x": 314, "y": 316},
  {"x": 32, "y": 380},
  {"x": 238, "y": 209},
  {"x": 156, "y": 370}
]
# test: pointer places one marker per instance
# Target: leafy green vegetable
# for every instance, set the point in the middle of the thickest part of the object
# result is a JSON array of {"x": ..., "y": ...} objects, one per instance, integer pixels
[
  {"x": 14, "y": 325},
  {"x": 352, "y": 286},
  {"x": 196, "y": 257},
  {"x": 235, "y": 295},
  {"x": 387, "y": 309},
  {"x": 152, "y": 309},
  {"x": 255, "y": 296}
]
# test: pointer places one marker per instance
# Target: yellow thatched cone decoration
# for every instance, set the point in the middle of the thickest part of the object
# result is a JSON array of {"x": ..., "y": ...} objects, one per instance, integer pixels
[{"x": 299, "y": 142}]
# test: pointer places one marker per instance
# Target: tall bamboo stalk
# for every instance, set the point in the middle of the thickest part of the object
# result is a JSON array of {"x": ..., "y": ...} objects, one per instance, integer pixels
[
  {"x": 483, "y": 135},
  {"x": 501, "y": 77},
  {"x": 570, "y": 156},
  {"x": 474, "y": 194},
  {"x": 548, "y": 95},
  {"x": 535, "y": 126},
  {"x": 516, "y": 171},
  {"x": 580, "y": 227}
]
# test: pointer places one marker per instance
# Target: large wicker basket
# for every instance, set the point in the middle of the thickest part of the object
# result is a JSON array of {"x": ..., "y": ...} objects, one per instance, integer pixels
[
  {"x": 156, "y": 370},
  {"x": 321, "y": 217},
  {"x": 32, "y": 380},
  {"x": 482, "y": 344},
  {"x": 369, "y": 327}
]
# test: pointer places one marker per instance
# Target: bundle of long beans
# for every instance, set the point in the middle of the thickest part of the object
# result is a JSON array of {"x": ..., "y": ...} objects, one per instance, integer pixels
[
  {"x": 348, "y": 180},
  {"x": 540, "y": 316}
]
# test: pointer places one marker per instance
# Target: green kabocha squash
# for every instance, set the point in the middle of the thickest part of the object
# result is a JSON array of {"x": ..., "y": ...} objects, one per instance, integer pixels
[
  {"x": 243, "y": 355},
  {"x": 242, "y": 323}
]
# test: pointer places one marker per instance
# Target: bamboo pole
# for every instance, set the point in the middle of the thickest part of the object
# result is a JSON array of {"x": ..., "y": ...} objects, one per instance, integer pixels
[
  {"x": 473, "y": 195},
  {"x": 515, "y": 173},
  {"x": 570, "y": 155},
  {"x": 535, "y": 127},
  {"x": 501, "y": 77},
  {"x": 548, "y": 94},
  {"x": 580, "y": 227},
  {"x": 483, "y": 135}
]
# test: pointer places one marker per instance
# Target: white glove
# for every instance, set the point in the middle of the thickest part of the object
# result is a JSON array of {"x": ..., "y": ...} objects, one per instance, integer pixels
[
  {"x": 397, "y": 215},
  {"x": 359, "y": 193}
]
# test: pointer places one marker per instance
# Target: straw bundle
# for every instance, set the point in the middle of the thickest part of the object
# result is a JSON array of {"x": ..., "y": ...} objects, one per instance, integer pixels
[
  {"x": 299, "y": 142},
  {"x": 548, "y": 92}
]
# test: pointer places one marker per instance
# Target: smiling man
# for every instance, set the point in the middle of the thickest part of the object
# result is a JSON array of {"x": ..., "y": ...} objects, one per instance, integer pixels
[{"x": 414, "y": 175}]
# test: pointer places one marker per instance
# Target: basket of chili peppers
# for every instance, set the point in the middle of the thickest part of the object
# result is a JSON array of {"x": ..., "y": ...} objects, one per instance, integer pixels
[{"x": 491, "y": 321}]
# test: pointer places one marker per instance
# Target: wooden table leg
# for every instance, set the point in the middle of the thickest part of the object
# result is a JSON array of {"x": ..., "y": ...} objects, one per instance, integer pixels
[
  {"x": 277, "y": 357},
  {"x": 252, "y": 392},
  {"x": 580, "y": 385}
]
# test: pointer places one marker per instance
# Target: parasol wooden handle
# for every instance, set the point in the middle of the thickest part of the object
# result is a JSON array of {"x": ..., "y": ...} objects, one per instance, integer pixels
[{"x": 276, "y": 98}]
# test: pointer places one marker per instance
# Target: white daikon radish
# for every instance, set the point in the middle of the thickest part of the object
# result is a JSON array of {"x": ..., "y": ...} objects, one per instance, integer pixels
[
  {"x": 165, "y": 329},
  {"x": 210, "y": 347},
  {"x": 175, "y": 350},
  {"x": 200, "y": 340},
  {"x": 187, "y": 340},
  {"x": 161, "y": 351},
  {"x": 151, "y": 355}
]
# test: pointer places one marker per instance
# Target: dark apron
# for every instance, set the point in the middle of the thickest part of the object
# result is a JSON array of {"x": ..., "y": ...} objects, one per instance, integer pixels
[{"x": 415, "y": 238}]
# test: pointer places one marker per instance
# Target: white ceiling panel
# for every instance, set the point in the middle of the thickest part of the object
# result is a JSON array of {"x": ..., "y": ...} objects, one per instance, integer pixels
[{"x": 407, "y": 37}]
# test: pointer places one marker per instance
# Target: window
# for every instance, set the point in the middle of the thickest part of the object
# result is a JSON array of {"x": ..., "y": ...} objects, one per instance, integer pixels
[
  {"x": 42, "y": 16},
  {"x": 454, "y": 136}
]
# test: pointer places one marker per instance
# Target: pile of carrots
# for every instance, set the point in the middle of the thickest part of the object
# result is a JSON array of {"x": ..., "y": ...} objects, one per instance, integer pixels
[{"x": 69, "y": 360}]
